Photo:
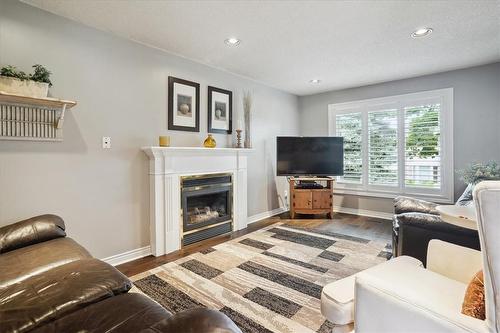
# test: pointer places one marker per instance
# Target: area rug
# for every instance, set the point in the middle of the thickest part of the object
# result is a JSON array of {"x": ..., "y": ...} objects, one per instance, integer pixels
[{"x": 269, "y": 280}]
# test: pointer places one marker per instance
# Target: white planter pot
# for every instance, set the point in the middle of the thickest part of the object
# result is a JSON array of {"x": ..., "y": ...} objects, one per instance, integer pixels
[{"x": 26, "y": 88}]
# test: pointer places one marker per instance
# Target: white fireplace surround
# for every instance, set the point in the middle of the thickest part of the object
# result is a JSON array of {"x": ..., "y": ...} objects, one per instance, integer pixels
[{"x": 166, "y": 167}]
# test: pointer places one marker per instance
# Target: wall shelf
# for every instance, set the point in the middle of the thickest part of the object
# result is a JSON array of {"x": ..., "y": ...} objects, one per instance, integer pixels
[{"x": 33, "y": 119}]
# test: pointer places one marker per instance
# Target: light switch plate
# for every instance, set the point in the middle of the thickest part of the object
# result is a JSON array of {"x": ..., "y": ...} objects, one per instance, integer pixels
[{"x": 106, "y": 142}]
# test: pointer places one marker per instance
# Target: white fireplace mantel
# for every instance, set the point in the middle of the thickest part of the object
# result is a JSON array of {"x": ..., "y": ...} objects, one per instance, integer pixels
[{"x": 166, "y": 167}]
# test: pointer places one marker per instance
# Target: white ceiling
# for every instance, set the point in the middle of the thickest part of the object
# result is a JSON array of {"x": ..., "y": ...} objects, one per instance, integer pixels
[{"x": 287, "y": 43}]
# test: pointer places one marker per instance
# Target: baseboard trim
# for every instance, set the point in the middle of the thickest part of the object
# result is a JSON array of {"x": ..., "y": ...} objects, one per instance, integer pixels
[
  {"x": 124, "y": 257},
  {"x": 339, "y": 209},
  {"x": 145, "y": 251},
  {"x": 363, "y": 212},
  {"x": 265, "y": 215}
]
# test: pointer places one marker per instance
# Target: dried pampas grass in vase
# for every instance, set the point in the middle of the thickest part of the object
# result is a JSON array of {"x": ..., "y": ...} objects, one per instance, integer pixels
[{"x": 247, "y": 106}]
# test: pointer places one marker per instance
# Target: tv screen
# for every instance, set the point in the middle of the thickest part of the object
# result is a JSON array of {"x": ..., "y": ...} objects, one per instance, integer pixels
[{"x": 310, "y": 156}]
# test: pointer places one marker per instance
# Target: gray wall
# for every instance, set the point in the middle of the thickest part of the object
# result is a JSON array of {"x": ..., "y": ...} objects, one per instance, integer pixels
[
  {"x": 121, "y": 90},
  {"x": 476, "y": 117}
]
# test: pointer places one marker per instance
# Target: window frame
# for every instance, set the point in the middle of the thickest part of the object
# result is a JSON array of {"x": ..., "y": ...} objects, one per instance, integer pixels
[{"x": 442, "y": 96}]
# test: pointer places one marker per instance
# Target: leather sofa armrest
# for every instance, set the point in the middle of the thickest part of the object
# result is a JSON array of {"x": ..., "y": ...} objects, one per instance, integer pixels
[
  {"x": 197, "y": 320},
  {"x": 456, "y": 262},
  {"x": 404, "y": 204},
  {"x": 428, "y": 221},
  {"x": 31, "y": 231}
]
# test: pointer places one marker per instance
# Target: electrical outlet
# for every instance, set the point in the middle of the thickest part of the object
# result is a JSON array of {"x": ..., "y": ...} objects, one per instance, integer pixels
[{"x": 106, "y": 142}]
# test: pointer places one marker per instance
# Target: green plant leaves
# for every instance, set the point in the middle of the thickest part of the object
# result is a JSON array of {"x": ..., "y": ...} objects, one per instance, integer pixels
[{"x": 40, "y": 74}]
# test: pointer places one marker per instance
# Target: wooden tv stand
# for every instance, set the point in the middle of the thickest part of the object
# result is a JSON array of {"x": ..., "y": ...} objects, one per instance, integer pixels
[{"x": 311, "y": 200}]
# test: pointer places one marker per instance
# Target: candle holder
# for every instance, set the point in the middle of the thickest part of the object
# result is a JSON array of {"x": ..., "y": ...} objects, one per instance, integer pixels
[
  {"x": 164, "y": 141},
  {"x": 238, "y": 138}
]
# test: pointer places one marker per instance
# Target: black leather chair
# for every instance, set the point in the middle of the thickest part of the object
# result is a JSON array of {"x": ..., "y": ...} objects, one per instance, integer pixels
[{"x": 416, "y": 222}]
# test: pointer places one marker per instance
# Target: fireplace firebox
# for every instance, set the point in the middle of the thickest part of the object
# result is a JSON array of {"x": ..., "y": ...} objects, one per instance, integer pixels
[{"x": 207, "y": 206}]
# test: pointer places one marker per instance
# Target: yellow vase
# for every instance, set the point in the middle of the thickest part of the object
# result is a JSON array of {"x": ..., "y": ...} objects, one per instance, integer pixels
[
  {"x": 209, "y": 142},
  {"x": 164, "y": 141}
]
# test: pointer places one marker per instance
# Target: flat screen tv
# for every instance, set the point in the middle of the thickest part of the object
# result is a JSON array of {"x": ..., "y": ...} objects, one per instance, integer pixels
[{"x": 310, "y": 156}]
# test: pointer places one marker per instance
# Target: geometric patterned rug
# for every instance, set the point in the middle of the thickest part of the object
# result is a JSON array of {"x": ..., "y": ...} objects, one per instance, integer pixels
[{"x": 269, "y": 280}]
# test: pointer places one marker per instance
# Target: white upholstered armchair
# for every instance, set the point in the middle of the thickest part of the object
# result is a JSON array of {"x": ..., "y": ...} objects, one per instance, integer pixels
[{"x": 415, "y": 299}]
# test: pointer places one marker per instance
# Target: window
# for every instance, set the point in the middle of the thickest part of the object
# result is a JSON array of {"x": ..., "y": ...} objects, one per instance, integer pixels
[
  {"x": 349, "y": 126},
  {"x": 397, "y": 145},
  {"x": 422, "y": 146},
  {"x": 383, "y": 147}
]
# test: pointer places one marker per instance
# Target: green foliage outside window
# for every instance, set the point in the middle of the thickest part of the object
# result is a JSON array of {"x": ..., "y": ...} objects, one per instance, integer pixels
[
  {"x": 422, "y": 140},
  {"x": 349, "y": 127},
  {"x": 383, "y": 146}
]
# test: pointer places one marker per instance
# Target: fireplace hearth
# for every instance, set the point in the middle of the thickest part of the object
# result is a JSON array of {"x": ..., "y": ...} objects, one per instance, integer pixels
[{"x": 207, "y": 209}]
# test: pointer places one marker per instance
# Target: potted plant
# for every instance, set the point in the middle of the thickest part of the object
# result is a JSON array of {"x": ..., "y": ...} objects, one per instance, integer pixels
[
  {"x": 18, "y": 82},
  {"x": 475, "y": 173}
]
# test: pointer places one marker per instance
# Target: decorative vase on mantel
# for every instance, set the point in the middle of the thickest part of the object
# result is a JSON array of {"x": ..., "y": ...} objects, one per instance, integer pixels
[
  {"x": 210, "y": 142},
  {"x": 247, "y": 106}
]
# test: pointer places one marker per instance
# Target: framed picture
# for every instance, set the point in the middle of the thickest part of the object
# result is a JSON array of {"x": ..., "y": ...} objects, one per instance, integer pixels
[
  {"x": 183, "y": 105},
  {"x": 220, "y": 110}
]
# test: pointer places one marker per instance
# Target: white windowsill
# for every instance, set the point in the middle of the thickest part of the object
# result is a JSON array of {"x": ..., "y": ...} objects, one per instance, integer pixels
[{"x": 392, "y": 195}]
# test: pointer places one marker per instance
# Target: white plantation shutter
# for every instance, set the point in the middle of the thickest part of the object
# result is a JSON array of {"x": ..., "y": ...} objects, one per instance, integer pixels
[
  {"x": 383, "y": 147},
  {"x": 397, "y": 145},
  {"x": 349, "y": 126},
  {"x": 422, "y": 146}
]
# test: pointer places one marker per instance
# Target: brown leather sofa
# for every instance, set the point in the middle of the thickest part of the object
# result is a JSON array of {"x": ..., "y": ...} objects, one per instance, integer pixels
[{"x": 49, "y": 283}]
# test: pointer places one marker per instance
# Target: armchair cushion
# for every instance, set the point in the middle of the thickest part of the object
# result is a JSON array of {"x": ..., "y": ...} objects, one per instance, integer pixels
[
  {"x": 411, "y": 299},
  {"x": 466, "y": 197},
  {"x": 456, "y": 262},
  {"x": 337, "y": 298},
  {"x": 404, "y": 204},
  {"x": 31, "y": 231}
]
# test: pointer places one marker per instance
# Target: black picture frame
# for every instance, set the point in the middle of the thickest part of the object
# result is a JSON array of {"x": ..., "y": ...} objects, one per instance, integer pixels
[
  {"x": 171, "y": 123},
  {"x": 211, "y": 129}
]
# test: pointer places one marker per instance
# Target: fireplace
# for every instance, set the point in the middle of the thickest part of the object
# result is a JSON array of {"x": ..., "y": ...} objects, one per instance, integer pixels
[
  {"x": 171, "y": 170},
  {"x": 207, "y": 206}
]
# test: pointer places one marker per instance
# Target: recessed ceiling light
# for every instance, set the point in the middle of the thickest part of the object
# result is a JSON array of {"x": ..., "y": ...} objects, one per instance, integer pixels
[
  {"x": 315, "y": 81},
  {"x": 422, "y": 32},
  {"x": 232, "y": 41}
]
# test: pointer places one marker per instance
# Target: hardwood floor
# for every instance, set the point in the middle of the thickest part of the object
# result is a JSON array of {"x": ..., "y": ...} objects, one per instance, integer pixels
[
  {"x": 143, "y": 264},
  {"x": 352, "y": 225}
]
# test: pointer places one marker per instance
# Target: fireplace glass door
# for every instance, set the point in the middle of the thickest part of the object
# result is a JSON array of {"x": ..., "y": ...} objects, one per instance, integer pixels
[{"x": 206, "y": 203}]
